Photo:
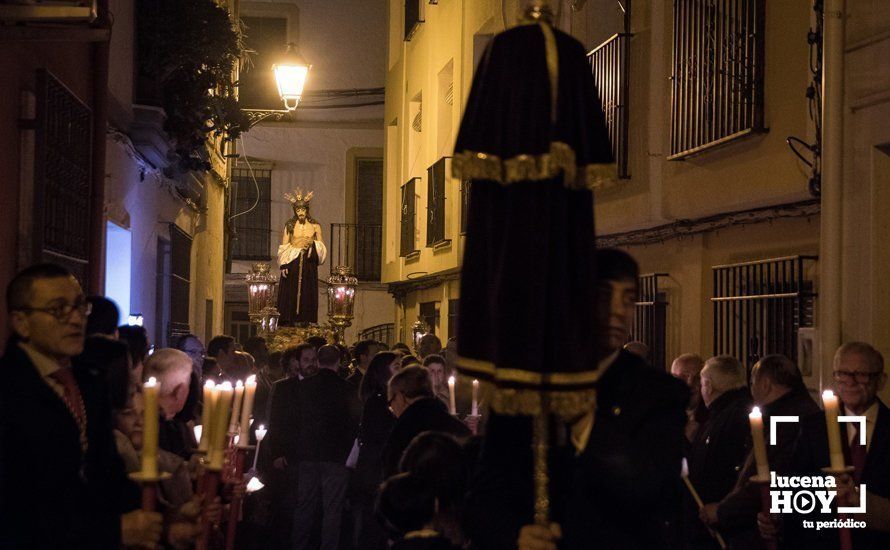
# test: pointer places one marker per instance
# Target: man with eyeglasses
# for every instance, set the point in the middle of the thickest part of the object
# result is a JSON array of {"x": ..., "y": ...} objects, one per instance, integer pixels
[
  {"x": 858, "y": 373},
  {"x": 62, "y": 483}
]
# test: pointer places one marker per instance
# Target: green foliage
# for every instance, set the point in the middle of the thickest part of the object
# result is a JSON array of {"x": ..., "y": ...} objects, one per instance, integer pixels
[{"x": 190, "y": 49}]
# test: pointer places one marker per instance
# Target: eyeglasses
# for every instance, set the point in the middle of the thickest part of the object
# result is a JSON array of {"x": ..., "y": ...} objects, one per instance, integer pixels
[
  {"x": 63, "y": 312},
  {"x": 860, "y": 377}
]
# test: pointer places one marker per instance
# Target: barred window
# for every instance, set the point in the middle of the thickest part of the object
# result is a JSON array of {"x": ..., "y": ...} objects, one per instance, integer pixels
[
  {"x": 180, "y": 282},
  {"x": 760, "y": 307},
  {"x": 435, "y": 226},
  {"x": 252, "y": 210},
  {"x": 717, "y": 90},
  {"x": 407, "y": 242}
]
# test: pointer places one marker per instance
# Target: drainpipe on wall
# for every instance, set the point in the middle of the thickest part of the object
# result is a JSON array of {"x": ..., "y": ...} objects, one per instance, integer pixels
[
  {"x": 99, "y": 57},
  {"x": 831, "y": 232}
]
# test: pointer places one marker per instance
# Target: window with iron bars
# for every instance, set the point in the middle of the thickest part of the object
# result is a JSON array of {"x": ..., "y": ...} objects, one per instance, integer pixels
[
  {"x": 717, "y": 80},
  {"x": 180, "y": 282},
  {"x": 407, "y": 245},
  {"x": 650, "y": 318},
  {"x": 252, "y": 209},
  {"x": 609, "y": 64},
  {"x": 435, "y": 209},
  {"x": 760, "y": 306}
]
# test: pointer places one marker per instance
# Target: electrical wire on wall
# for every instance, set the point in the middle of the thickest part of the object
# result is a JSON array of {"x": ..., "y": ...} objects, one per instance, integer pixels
[
  {"x": 798, "y": 146},
  {"x": 256, "y": 186}
]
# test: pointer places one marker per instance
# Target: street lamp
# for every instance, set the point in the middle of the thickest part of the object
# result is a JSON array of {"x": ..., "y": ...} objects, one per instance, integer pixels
[
  {"x": 290, "y": 73},
  {"x": 290, "y": 76},
  {"x": 341, "y": 299},
  {"x": 261, "y": 286}
]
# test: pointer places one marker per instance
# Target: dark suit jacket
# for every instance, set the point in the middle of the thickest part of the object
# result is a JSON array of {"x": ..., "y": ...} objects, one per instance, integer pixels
[
  {"x": 717, "y": 456},
  {"x": 811, "y": 455},
  {"x": 282, "y": 437},
  {"x": 427, "y": 414},
  {"x": 327, "y": 416},
  {"x": 737, "y": 513},
  {"x": 49, "y": 496},
  {"x": 377, "y": 423},
  {"x": 615, "y": 493}
]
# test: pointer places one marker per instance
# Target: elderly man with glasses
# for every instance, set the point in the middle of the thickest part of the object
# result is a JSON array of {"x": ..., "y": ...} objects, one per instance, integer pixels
[
  {"x": 858, "y": 373},
  {"x": 62, "y": 483}
]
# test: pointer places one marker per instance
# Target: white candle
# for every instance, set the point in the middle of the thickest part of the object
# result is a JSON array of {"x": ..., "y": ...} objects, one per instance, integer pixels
[
  {"x": 261, "y": 432},
  {"x": 210, "y": 393},
  {"x": 835, "y": 452},
  {"x": 452, "y": 405},
  {"x": 475, "y": 398},
  {"x": 150, "y": 429},
  {"x": 236, "y": 404},
  {"x": 220, "y": 422},
  {"x": 247, "y": 409},
  {"x": 756, "y": 420}
]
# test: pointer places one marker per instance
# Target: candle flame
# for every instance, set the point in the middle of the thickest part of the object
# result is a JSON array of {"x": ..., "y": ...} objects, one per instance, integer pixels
[
  {"x": 210, "y": 384},
  {"x": 198, "y": 430},
  {"x": 755, "y": 412},
  {"x": 251, "y": 380},
  {"x": 152, "y": 382},
  {"x": 261, "y": 432},
  {"x": 239, "y": 384},
  {"x": 451, "y": 379},
  {"x": 226, "y": 386},
  {"x": 827, "y": 393}
]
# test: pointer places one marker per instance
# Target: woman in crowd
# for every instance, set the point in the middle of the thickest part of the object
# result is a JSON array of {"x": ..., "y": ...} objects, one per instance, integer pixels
[{"x": 377, "y": 421}]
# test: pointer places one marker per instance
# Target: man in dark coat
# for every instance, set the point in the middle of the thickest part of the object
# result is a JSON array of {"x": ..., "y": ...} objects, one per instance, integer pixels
[
  {"x": 721, "y": 445},
  {"x": 363, "y": 352},
  {"x": 327, "y": 417},
  {"x": 858, "y": 373},
  {"x": 778, "y": 389},
  {"x": 613, "y": 472},
  {"x": 62, "y": 483},
  {"x": 412, "y": 401}
]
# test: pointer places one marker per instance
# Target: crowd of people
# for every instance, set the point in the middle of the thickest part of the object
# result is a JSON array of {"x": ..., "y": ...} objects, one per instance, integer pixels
[{"x": 369, "y": 448}]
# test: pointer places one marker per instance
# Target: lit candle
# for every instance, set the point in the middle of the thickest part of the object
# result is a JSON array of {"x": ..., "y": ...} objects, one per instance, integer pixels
[
  {"x": 475, "y": 398},
  {"x": 835, "y": 453},
  {"x": 150, "y": 429},
  {"x": 210, "y": 392},
  {"x": 261, "y": 432},
  {"x": 236, "y": 404},
  {"x": 247, "y": 409},
  {"x": 756, "y": 419},
  {"x": 220, "y": 421},
  {"x": 452, "y": 405}
]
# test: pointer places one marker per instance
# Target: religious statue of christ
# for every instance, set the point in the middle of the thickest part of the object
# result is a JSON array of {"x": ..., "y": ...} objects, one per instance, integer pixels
[{"x": 301, "y": 252}]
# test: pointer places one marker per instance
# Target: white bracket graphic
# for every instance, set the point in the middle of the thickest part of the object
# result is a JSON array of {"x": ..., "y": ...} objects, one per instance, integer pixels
[
  {"x": 861, "y": 421},
  {"x": 773, "y": 420},
  {"x": 855, "y": 509}
]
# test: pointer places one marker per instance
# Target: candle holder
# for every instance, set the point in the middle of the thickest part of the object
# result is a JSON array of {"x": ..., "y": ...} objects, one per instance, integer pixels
[
  {"x": 208, "y": 487},
  {"x": 235, "y": 505},
  {"x": 844, "y": 534},
  {"x": 762, "y": 484},
  {"x": 149, "y": 486}
]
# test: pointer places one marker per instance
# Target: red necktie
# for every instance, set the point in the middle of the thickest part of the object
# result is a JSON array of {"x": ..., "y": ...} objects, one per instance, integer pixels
[
  {"x": 74, "y": 401},
  {"x": 857, "y": 455}
]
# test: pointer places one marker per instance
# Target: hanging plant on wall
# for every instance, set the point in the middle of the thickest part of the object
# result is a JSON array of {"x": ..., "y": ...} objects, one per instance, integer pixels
[{"x": 188, "y": 51}]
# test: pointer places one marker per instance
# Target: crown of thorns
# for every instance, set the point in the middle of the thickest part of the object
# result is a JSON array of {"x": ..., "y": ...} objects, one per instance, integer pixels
[{"x": 298, "y": 198}]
